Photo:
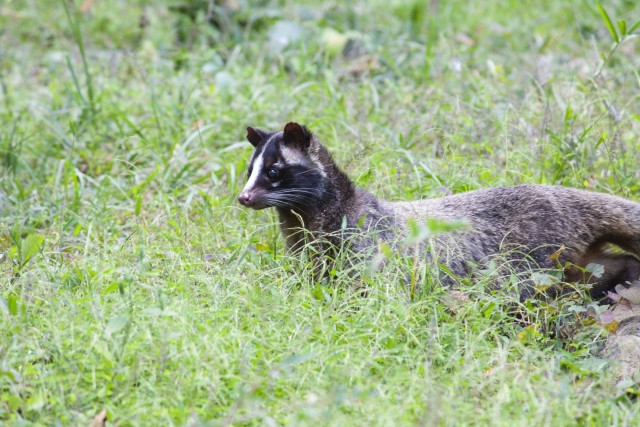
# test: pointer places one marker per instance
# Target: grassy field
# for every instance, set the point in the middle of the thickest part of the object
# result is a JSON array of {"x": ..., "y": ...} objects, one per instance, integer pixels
[{"x": 132, "y": 280}]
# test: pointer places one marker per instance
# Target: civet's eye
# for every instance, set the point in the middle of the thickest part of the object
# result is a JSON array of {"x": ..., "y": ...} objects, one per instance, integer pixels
[{"x": 272, "y": 173}]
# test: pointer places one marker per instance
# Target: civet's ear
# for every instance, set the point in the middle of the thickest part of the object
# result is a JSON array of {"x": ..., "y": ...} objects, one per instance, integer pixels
[
  {"x": 255, "y": 136},
  {"x": 296, "y": 136}
]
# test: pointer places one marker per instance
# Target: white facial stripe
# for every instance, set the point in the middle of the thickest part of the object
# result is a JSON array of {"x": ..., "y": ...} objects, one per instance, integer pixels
[
  {"x": 292, "y": 156},
  {"x": 257, "y": 169},
  {"x": 317, "y": 163},
  {"x": 272, "y": 137}
]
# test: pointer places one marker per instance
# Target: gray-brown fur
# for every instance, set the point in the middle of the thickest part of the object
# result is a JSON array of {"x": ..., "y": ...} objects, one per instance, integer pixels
[{"x": 526, "y": 222}]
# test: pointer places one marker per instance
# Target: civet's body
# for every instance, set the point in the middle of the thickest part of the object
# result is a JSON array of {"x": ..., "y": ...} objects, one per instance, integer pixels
[{"x": 291, "y": 171}]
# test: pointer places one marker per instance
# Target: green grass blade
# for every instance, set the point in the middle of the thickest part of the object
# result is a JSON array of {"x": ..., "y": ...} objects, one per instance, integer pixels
[
  {"x": 72, "y": 18},
  {"x": 622, "y": 26},
  {"x": 76, "y": 83},
  {"x": 608, "y": 23}
]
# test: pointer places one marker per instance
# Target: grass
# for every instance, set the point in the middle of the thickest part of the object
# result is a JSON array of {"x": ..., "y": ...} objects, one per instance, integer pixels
[{"x": 132, "y": 280}]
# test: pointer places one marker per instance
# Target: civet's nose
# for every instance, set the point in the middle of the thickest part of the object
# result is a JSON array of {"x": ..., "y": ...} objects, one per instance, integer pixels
[{"x": 246, "y": 199}]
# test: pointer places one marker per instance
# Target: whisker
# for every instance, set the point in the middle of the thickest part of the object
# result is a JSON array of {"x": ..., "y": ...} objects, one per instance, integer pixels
[
  {"x": 283, "y": 204},
  {"x": 310, "y": 193}
]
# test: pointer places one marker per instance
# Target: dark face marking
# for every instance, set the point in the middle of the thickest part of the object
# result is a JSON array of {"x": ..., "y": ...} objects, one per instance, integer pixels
[{"x": 282, "y": 176}]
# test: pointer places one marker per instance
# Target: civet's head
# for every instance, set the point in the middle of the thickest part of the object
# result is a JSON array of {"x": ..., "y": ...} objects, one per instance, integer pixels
[{"x": 284, "y": 170}]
